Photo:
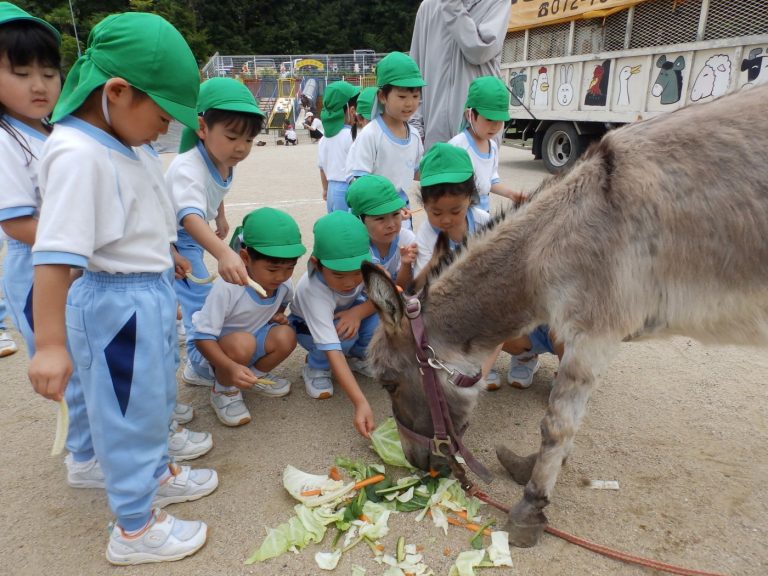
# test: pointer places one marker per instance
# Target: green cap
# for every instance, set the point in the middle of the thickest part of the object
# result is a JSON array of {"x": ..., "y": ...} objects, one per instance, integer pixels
[
  {"x": 147, "y": 52},
  {"x": 336, "y": 96},
  {"x": 272, "y": 232},
  {"x": 373, "y": 195},
  {"x": 220, "y": 94},
  {"x": 341, "y": 242},
  {"x": 11, "y": 13},
  {"x": 398, "y": 69},
  {"x": 445, "y": 164},
  {"x": 365, "y": 101},
  {"x": 488, "y": 95}
]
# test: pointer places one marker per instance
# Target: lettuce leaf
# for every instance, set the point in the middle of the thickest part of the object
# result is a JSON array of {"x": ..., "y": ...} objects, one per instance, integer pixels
[{"x": 386, "y": 443}]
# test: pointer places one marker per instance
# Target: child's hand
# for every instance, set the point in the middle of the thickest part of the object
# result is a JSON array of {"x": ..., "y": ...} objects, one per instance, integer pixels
[
  {"x": 408, "y": 253},
  {"x": 363, "y": 419},
  {"x": 49, "y": 371},
  {"x": 235, "y": 374},
  {"x": 279, "y": 318},
  {"x": 348, "y": 323},
  {"x": 181, "y": 266},
  {"x": 406, "y": 213},
  {"x": 232, "y": 269},
  {"x": 222, "y": 227}
]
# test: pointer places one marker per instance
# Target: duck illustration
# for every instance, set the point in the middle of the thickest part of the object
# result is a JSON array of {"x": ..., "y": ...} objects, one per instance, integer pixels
[{"x": 624, "y": 75}]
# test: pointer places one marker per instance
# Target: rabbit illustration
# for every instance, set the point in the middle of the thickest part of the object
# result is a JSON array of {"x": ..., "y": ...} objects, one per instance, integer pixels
[{"x": 565, "y": 90}]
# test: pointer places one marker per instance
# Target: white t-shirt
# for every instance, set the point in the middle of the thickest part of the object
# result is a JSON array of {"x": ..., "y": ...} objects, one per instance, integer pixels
[
  {"x": 290, "y": 134},
  {"x": 377, "y": 151},
  {"x": 426, "y": 236},
  {"x": 105, "y": 205},
  {"x": 232, "y": 308},
  {"x": 316, "y": 124},
  {"x": 20, "y": 191},
  {"x": 332, "y": 154},
  {"x": 196, "y": 185},
  {"x": 486, "y": 166},
  {"x": 316, "y": 304},
  {"x": 391, "y": 261}
]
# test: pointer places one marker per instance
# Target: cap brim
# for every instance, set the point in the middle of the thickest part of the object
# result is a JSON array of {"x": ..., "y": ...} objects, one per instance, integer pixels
[
  {"x": 244, "y": 107},
  {"x": 446, "y": 178},
  {"x": 407, "y": 83},
  {"x": 387, "y": 208},
  {"x": 40, "y": 21},
  {"x": 289, "y": 251},
  {"x": 187, "y": 115},
  {"x": 351, "y": 264},
  {"x": 494, "y": 115}
]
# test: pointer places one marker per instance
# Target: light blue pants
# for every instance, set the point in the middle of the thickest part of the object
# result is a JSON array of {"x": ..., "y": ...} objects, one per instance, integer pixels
[
  {"x": 355, "y": 346},
  {"x": 122, "y": 332},
  {"x": 3, "y": 310},
  {"x": 192, "y": 296},
  {"x": 336, "y": 198},
  {"x": 18, "y": 273},
  {"x": 17, "y": 284}
]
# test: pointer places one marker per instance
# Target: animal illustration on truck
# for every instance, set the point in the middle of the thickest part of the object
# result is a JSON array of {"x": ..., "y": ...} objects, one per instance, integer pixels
[
  {"x": 713, "y": 78},
  {"x": 668, "y": 86}
]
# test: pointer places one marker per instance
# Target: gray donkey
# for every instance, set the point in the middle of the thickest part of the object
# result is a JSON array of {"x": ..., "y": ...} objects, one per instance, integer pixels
[{"x": 661, "y": 229}]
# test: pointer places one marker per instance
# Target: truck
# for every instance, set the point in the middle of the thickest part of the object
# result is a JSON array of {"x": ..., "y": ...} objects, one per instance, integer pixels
[{"x": 578, "y": 68}]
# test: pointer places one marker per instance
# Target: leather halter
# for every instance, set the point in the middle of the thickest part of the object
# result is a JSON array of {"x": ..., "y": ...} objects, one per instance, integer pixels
[{"x": 446, "y": 441}]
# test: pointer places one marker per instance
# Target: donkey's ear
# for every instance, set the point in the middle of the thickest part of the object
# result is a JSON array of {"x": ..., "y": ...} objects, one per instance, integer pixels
[{"x": 384, "y": 295}]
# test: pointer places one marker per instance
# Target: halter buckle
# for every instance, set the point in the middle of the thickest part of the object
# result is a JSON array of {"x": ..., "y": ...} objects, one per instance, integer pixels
[
  {"x": 412, "y": 308},
  {"x": 438, "y": 444}
]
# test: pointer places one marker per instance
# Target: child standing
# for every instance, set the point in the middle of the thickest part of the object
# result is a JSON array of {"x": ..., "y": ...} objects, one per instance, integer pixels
[
  {"x": 364, "y": 107},
  {"x": 199, "y": 178},
  {"x": 241, "y": 335},
  {"x": 119, "y": 318},
  {"x": 338, "y": 117},
  {"x": 389, "y": 146},
  {"x": 333, "y": 319},
  {"x": 30, "y": 83},
  {"x": 487, "y": 109},
  {"x": 374, "y": 200}
]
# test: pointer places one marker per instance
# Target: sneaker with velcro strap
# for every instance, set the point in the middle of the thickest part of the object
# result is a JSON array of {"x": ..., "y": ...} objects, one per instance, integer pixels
[
  {"x": 86, "y": 474},
  {"x": 492, "y": 380},
  {"x": 280, "y": 387},
  {"x": 317, "y": 382},
  {"x": 183, "y": 413},
  {"x": 521, "y": 370},
  {"x": 184, "y": 444},
  {"x": 163, "y": 539},
  {"x": 190, "y": 376},
  {"x": 230, "y": 408},
  {"x": 184, "y": 484},
  {"x": 359, "y": 365}
]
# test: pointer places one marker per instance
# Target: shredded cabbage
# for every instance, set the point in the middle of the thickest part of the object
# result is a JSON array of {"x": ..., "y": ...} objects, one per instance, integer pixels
[{"x": 386, "y": 443}]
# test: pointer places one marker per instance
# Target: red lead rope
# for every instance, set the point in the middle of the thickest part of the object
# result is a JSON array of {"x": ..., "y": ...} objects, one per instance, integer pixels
[{"x": 603, "y": 550}]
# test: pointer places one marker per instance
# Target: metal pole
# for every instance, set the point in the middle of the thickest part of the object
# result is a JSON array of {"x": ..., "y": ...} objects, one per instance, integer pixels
[
  {"x": 74, "y": 27},
  {"x": 628, "y": 30},
  {"x": 703, "y": 20}
]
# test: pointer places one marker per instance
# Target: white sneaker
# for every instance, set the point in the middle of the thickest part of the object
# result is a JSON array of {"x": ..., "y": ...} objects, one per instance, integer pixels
[
  {"x": 492, "y": 380},
  {"x": 520, "y": 373},
  {"x": 359, "y": 365},
  {"x": 317, "y": 382},
  {"x": 183, "y": 413},
  {"x": 230, "y": 408},
  {"x": 281, "y": 386},
  {"x": 184, "y": 484},
  {"x": 7, "y": 345},
  {"x": 84, "y": 474},
  {"x": 190, "y": 376},
  {"x": 183, "y": 444},
  {"x": 163, "y": 539}
]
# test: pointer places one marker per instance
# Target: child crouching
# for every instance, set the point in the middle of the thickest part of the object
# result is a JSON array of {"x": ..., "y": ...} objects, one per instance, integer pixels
[
  {"x": 241, "y": 335},
  {"x": 333, "y": 318}
]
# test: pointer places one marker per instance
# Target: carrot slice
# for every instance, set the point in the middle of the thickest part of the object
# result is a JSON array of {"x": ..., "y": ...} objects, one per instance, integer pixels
[
  {"x": 364, "y": 518},
  {"x": 369, "y": 481},
  {"x": 315, "y": 492},
  {"x": 334, "y": 474}
]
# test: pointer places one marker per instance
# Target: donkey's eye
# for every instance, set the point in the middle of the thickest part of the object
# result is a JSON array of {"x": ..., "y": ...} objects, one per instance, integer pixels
[{"x": 389, "y": 385}]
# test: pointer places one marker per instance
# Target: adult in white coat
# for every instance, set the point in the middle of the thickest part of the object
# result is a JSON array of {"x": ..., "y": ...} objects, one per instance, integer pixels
[{"x": 454, "y": 42}]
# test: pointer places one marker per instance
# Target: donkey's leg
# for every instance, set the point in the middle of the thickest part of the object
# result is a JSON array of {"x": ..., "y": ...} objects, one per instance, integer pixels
[{"x": 567, "y": 404}]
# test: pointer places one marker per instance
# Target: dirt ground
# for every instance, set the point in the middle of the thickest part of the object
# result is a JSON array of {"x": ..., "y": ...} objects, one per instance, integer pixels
[{"x": 682, "y": 427}]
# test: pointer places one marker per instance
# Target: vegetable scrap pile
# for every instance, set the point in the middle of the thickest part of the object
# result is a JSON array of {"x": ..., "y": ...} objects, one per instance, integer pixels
[{"x": 359, "y": 509}]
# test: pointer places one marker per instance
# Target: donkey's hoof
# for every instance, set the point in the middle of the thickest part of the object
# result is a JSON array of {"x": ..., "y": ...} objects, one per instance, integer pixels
[
  {"x": 519, "y": 467},
  {"x": 524, "y": 536}
]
